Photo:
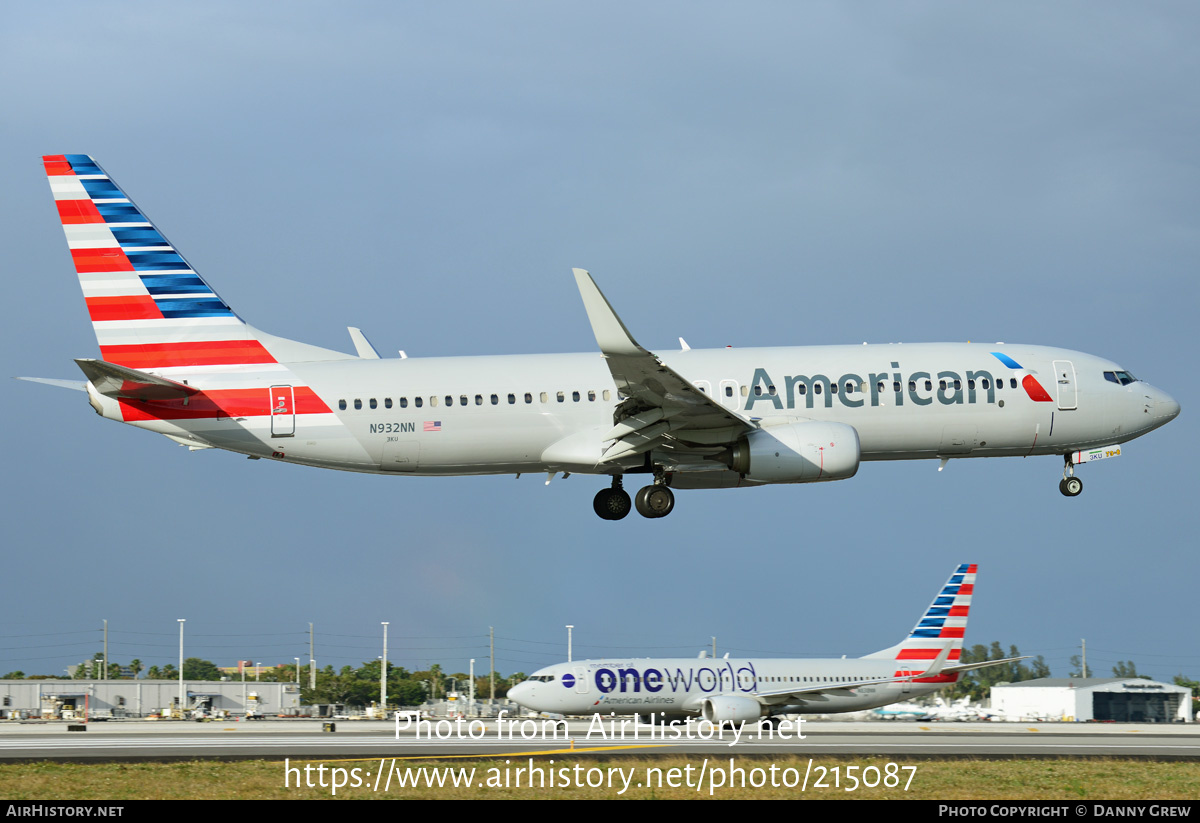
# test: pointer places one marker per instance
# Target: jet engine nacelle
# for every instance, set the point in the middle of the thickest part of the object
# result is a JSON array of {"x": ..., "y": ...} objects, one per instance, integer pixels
[
  {"x": 799, "y": 453},
  {"x": 730, "y": 709}
]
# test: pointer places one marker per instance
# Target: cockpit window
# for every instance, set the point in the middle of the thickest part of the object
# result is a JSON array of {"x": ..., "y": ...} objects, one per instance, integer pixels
[
  {"x": 540, "y": 678},
  {"x": 1123, "y": 378}
]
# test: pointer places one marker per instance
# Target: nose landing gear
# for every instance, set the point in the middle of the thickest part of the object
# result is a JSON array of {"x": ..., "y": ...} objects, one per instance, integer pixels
[{"x": 1070, "y": 485}]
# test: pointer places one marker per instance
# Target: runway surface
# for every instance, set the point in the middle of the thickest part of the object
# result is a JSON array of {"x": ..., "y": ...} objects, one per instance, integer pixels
[{"x": 304, "y": 739}]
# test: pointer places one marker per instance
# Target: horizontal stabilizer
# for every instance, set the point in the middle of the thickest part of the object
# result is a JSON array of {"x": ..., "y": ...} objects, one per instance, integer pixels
[
  {"x": 112, "y": 380},
  {"x": 77, "y": 385}
]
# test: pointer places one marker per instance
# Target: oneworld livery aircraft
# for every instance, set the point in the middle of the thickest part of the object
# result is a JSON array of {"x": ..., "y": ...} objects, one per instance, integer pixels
[
  {"x": 175, "y": 359},
  {"x": 722, "y": 690}
]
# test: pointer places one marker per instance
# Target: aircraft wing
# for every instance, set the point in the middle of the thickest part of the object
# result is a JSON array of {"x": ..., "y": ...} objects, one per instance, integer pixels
[
  {"x": 662, "y": 407},
  {"x": 966, "y": 667},
  {"x": 936, "y": 667}
]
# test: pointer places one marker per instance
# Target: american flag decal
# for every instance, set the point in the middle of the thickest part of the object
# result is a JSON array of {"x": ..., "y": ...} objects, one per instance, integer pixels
[{"x": 433, "y": 425}]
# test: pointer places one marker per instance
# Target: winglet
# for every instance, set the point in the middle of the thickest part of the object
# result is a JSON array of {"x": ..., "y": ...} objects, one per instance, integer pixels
[
  {"x": 611, "y": 334},
  {"x": 362, "y": 345}
]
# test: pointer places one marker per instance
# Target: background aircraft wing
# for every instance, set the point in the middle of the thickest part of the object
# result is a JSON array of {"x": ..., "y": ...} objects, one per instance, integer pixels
[
  {"x": 662, "y": 409},
  {"x": 810, "y": 692}
]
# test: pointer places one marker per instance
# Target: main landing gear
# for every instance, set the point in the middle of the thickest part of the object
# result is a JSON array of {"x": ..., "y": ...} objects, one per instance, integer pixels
[
  {"x": 1070, "y": 485},
  {"x": 653, "y": 501}
]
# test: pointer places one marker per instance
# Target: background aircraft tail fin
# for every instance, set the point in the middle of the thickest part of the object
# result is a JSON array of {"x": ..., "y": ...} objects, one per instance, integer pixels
[
  {"x": 937, "y": 639},
  {"x": 149, "y": 307}
]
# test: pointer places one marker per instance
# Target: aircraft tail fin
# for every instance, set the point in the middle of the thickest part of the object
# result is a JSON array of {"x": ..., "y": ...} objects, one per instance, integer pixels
[
  {"x": 149, "y": 308},
  {"x": 934, "y": 646}
]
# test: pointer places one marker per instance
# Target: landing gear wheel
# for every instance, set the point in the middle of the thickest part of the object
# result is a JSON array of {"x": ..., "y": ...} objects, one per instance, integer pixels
[
  {"x": 612, "y": 504},
  {"x": 1070, "y": 486},
  {"x": 655, "y": 501}
]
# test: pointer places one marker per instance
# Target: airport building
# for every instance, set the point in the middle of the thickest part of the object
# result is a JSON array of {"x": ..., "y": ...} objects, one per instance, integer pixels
[
  {"x": 69, "y": 699},
  {"x": 1119, "y": 699}
]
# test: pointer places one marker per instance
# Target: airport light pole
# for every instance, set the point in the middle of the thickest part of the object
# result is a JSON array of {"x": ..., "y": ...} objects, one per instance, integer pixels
[
  {"x": 471, "y": 689},
  {"x": 181, "y": 620},
  {"x": 569, "y": 629},
  {"x": 383, "y": 674}
]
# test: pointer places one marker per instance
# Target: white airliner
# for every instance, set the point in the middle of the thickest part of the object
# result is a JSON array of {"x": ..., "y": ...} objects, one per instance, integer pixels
[
  {"x": 175, "y": 359},
  {"x": 723, "y": 690}
]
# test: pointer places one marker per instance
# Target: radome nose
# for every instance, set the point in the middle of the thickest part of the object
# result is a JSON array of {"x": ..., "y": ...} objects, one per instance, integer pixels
[
  {"x": 519, "y": 691},
  {"x": 1168, "y": 406}
]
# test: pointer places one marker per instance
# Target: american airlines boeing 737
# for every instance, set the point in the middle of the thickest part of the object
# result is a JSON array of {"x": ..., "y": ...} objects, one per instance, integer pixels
[
  {"x": 732, "y": 691},
  {"x": 175, "y": 359}
]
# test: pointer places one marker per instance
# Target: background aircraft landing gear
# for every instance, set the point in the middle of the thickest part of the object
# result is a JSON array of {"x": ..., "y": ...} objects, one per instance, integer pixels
[
  {"x": 614, "y": 503},
  {"x": 655, "y": 501}
]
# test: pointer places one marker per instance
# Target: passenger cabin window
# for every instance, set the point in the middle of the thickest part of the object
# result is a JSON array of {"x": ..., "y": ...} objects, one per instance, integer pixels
[
  {"x": 591, "y": 396},
  {"x": 512, "y": 398},
  {"x": 544, "y": 397},
  {"x": 357, "y": 404},
  {"x": 387, "y": 402},
  {"x": 607, "y": 394},
  {"x": 575, "y": 396},
  {"x": 496, "y": 400},
  {"x": 404, "y": 402},
  {"x": 373, "y": 404},
  {"x": 342, "y": 403},
  {"x": 462, "y": 400},
  {"x": 729, "y": 391},
  {"x": 528, "y": 397},
  {"x": 479, "y": 400},
  {"x": 560, "y": 396}
]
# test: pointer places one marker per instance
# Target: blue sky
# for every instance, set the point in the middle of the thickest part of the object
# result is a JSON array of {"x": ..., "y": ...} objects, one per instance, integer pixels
[{"x": 758, "y": 174}]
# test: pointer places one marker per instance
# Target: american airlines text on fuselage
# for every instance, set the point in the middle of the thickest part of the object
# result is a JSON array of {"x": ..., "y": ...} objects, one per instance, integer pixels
[{"x": 920, "y": 388}]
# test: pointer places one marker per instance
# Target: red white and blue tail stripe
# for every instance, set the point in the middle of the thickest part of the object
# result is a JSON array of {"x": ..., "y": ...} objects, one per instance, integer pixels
[
  {"x": 149, "y": 307},
  {"x": 939, "y": 632}
]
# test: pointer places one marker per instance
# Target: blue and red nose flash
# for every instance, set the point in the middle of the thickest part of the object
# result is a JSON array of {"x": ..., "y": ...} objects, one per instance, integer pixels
[{"x": 1029, "y": 383}]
